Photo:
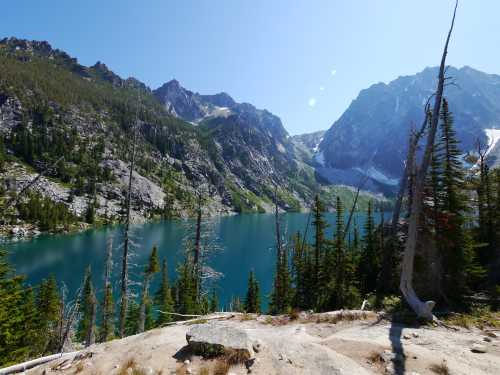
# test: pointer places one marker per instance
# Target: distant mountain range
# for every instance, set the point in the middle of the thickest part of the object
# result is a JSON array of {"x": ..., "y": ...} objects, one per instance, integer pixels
[
  {"x": 371, "y": 137},
  {"x": 232, "y": 153}
]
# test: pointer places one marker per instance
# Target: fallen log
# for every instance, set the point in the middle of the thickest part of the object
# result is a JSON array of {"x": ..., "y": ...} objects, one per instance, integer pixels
[{"x": 21, "y": 367}]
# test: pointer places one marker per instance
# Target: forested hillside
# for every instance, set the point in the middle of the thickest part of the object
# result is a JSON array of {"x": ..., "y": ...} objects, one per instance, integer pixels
[{"x": 75, "y": 125}]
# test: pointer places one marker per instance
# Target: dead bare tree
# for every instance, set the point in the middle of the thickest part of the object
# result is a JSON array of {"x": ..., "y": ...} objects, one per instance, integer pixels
[
  {"x": 410, "y": 162},
  {"x": 423, "y": 309},
  {"x": 354, "y": 203},
  {"x": 71, "y": 313},
  {"x": 126, "y": 236}
]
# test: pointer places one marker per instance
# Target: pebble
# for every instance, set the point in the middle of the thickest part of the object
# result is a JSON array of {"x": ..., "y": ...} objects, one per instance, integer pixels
[
  {"x": 257, "y": 346},
  {"x": 187, "y": 362},
  {"x": 487, "y": 339},
  {"x": 478, "y": 348}
]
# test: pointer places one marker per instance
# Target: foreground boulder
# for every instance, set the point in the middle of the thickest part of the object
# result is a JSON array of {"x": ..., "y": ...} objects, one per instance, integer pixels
[{"x": 211, "y": 340}]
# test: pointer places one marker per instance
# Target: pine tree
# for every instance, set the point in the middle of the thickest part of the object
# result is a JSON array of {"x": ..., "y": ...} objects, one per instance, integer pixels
[
  {"x": 214, "y": 302},
  {"x": 186, "y": 301},
  {"x": 88, "y": 306},
  {"x": 339, "y": 258},
  {"x": 451, "y": 236},
  {"x": 299, "y": 272},
  {"x": 152, "y": 268},
  {"x": 163, "y": 297},
  {"x": 320, "y": 225},
  {"x": 369, "y": 261},
  {"x": 108, "y": 310},
  {"x": 49, "y": 311},
  {"x": 252, "y": 301},
  {"x": 132, "y": 318},
  {"x": 13, "y": 346},
  {"x": 282, "y": 290}
]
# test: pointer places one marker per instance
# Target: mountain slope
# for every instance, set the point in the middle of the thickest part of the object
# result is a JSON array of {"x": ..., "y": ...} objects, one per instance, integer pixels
[
  {"x": 371, "y": 137},
  {"x": 51, "y": 106}
]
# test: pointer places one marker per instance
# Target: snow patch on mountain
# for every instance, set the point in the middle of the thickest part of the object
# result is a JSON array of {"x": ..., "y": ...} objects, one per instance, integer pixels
[
  {"x": 316, "y": 147},
  {"x": 320, "y": 158},
  {"x": 374, "y": 173},
  {"x": 493, "y": 138}
]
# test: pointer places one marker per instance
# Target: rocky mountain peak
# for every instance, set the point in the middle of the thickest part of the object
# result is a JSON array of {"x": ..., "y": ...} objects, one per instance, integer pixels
[{"x": 371, "y": 137}]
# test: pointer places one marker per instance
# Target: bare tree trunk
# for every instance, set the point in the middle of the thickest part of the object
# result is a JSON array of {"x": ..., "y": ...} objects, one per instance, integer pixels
[
  {"x": 423, "y": 310},
  {"x": 126, "y": 240},
  {"x": 353, "y": 208},
  {"x": 71, "y": 318}
]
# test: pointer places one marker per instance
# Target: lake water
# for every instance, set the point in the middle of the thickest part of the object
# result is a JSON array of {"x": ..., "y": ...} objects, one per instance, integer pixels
[{"x": 245, "y": 242}]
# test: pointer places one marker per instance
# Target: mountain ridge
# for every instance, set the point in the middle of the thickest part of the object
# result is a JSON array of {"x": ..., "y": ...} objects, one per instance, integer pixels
[{"x": 370, "y": 138}]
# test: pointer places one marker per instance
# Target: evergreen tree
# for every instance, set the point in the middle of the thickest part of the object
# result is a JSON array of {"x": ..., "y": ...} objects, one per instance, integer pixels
[
  {"x": 13, "y": 345},
  {"x": 88, "y": 305},
  {"x": 214, "y": 302},
  {"x": 49, "y": 311},
  {"x": 300, "y": 272},
  {"x": 282, "y": 291},
  {"x": 451, "y": 235},
  {"x": 108, "y": 312},
  {"x": 339, "y": 270},
  {"x": 320, "y": 225},
  {"x": 152, "y": 268},
  {"x": 163, "y": 297},
  {"x": 369, "y": 261},
  {"x": 132, "y": 318},
  {"x": 186, "y": 301},
  {"x": 108, "y": 309},
  {"x": 252, "y": 301}
]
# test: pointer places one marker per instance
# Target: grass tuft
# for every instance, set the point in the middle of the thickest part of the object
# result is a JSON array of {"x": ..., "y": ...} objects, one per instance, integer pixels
[
  {"x": 221, "y": 367},
  {"x": 441, "y": 369}
]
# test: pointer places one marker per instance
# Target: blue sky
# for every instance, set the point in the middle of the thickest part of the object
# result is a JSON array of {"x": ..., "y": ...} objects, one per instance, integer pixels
[{"x": 302, "y": 60}]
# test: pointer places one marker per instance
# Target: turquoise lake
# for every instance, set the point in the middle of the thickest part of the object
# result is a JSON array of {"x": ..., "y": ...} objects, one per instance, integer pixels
[{"x": 244, "y": 242}]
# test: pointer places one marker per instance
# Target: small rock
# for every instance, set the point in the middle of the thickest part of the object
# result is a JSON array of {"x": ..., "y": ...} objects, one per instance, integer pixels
[
  {"x": 257, "y": 345},
  {"x": 189, "y": 371},
  {"x": 487, "y": 339},
  {"x": 478, "y": 348},
  {"x": 415, "y": 334},
  {"x": 414, "y": 373},
  {"x": 491, "y": 334},
  {"x": 146, "y": 370},
  {"x": 187, "y": 362}
]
